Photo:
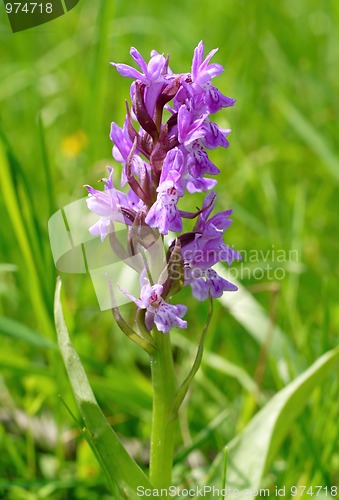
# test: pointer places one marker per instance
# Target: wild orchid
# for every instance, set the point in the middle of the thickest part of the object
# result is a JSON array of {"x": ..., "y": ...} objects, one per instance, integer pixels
[
  {"x": 162, "y": 148},
  {"x": 162, "y": 161},
  {"x": 163, "y": 151}
]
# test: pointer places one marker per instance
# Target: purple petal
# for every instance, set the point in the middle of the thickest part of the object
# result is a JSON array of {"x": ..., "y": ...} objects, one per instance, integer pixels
[
  {"x": 197, "y": 59},
  {"x": 128, "y": 71},
  {"x": 209, "y": 56},
  {"x": 155, "y": 67},
  {"x": 228, "y": 255},
  {"x": 138, "y": 302},
  {"x": 174, "y": 161},
  {"x": 167, "y": 317},
  {"x": 199, "y": 289},
  {"x": 215, "y": 100},
  {"x": 151, "y": 95},
  {"x": 206, "y": 74},
  {"x": 150, "y": 293},
  {"x": 100, "y": 228},
  {"x": 99, "y": 206},
  {"x": 139, "y": 59},
  {"x": 122, "y": 143},
  {"x": 207, "y": 208},
  {"x": 184, "y": 121},
  {"x": 215, "y": 136},
  {"x": 175, "y": 222},
  {"x": 181, "y": 310},
  {"x": 156, "y": 218},
  {"x": 189, "y": 129},
  {"x": 200, "y": 185},
  {"x": 199, "y": 162},
  {"x": 221, "y": 220},
  {"x": 218, "y": 285}
]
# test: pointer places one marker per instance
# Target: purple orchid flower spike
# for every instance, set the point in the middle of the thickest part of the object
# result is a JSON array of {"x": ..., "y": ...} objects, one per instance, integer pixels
[
  {"x": 163, "y": 160},
  {"x": 163, "y": 150}
]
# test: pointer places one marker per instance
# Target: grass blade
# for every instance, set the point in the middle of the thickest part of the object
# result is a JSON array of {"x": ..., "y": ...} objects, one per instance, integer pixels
[
  {"x": 251, "y": 315},
  {"x": 19, "y": 331},
  {"x": 312, "y": 138}
]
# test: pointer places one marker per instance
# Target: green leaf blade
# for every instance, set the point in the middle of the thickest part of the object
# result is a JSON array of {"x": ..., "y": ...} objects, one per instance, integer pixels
[
  {"x": 251, "y": 451},
  {"x": 121, "y": 470}
]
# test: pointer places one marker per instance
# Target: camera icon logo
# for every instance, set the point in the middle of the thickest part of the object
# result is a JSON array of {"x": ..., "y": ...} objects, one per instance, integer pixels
[{"x": 76, "y": 251}]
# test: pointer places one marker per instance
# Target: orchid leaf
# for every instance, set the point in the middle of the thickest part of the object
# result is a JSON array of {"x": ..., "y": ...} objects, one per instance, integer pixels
[
  {"x": 123, "y": 474},
  {"x": 251, "y": 451}
]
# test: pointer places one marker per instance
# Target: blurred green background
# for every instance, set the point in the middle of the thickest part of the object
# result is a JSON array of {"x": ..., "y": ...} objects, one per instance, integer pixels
[{"x": 58, "y": 97}]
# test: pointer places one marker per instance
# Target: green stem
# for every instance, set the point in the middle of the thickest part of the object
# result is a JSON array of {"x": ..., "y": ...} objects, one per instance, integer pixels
[{"x": 163, "y": 423}]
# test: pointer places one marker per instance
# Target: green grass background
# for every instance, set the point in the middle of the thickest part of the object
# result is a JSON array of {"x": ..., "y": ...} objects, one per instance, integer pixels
[{"x": 58, "y": 96}]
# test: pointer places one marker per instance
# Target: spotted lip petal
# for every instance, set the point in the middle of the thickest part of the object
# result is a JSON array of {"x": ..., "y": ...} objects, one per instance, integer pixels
[
  {"x": 165, "y": 316},
  {"x": 211, "y": 285},
  {"x": 168, "y": 316}
]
